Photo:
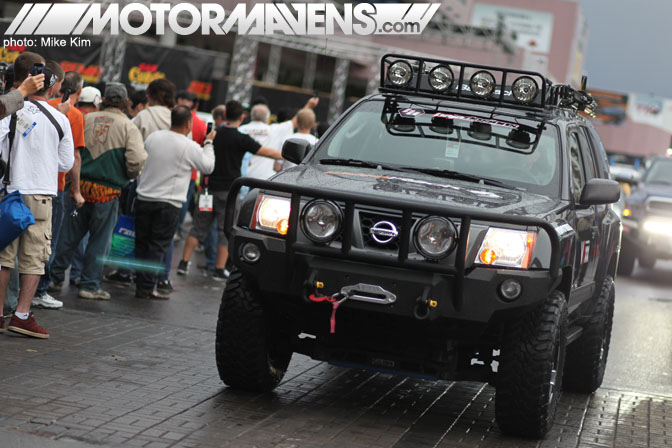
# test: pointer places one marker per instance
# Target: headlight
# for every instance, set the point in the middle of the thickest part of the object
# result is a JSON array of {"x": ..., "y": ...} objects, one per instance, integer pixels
[
  {"x": 525, "y": 89},
  {"x": 272, "y": 214},
  {"x": 658, "y": 226},
  {"x": 435, "y": 237},
  {"x": 321, "y": 221},
  {"x": 482, "y": 84},
  {"x": 507, "y": 248},
  {"x": 400, "y": 73},
  {"x": 441, "y": 78}
]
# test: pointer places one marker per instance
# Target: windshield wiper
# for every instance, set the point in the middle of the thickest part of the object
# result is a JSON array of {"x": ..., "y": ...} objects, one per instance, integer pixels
[
  {"x": 357, "y": 163},
  {"x": 462, "y": 176}
]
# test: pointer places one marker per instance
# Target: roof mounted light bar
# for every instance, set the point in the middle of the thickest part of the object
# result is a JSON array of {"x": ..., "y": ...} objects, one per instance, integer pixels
[{"x": 460, "y": 81}]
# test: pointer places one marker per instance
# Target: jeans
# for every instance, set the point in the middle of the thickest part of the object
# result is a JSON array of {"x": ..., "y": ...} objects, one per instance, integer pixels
[
  {"x": 185, "y": 206},
  {"x": 78, "y": 260},
  {"x": 167, "y": 262},
  {"x": 99, "y": 220},
  {"x": 155, "y": 225},
  {"x": 12, "y": 297},
  {"x": 57, "y": 212},
  {"x": 210, "y": 245}
]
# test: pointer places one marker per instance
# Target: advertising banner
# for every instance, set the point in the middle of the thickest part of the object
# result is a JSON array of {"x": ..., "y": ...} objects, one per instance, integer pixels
[
  {"x": 533, "y": 29},
  {"x": 188, "y": 69},
  {"x": 612, "y": 107},
  {"x": 646, "y": 109}
]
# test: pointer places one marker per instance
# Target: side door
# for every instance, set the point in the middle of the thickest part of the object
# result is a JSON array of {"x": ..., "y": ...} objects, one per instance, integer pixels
[{"x": 582, "y": 168}]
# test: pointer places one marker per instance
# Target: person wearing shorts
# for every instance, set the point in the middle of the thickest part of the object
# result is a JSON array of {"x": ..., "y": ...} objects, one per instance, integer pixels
[
  {"x": 230, "y": 147},
  {"x": 38, "y": 153}
]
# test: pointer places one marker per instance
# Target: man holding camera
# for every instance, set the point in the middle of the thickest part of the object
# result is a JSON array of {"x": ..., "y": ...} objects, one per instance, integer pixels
[
  {"x": 13, "y": 101},
  {"x": 41, "y": 147}
]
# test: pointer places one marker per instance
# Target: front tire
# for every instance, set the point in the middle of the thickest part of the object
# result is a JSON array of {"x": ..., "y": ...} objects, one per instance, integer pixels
[
  {"x": 251, "y": 353},
  {"x": 529, "y": 379},
  {"x": 587, "y": 356}
]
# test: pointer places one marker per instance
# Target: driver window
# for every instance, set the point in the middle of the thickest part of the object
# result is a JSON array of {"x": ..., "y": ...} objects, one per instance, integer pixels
[{"x": 576, "y": 161}]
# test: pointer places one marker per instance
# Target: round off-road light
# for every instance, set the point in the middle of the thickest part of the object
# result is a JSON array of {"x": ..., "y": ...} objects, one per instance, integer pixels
[
  {"x": 441, "y": 78},
  {"x": 250, "y": 252},
  {"x": 400, "y": 73},
  {"x": 435, "y": 237},
  {"x": 525, "y": 89},
  {"x": 510, "y": 289},
  {"x": 321, "y": 221},
  {"x": 482, "y": 84}
]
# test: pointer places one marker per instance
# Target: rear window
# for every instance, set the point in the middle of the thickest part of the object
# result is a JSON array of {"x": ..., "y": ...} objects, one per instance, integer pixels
[{"x": 521, "y": 153}]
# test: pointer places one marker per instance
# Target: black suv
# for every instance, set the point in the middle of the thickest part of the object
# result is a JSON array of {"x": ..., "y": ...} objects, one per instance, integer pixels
[
  {"x": 444, "y": 228},
  {"x": 647, "y": 218}
]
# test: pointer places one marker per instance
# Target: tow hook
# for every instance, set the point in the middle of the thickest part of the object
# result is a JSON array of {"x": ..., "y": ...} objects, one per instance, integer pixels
[{"x": 424, "y": 306}]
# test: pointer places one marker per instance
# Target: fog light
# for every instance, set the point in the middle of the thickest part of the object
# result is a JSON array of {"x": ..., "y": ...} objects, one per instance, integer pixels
[
  {"x": 250, "y": 252},
  {"x": 510, "y": 289}
]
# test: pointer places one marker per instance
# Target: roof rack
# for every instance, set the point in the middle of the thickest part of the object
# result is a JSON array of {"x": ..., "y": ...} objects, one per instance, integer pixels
[
  {"x": 478, "y": 84},
  {"x": 566, "y": 97}
]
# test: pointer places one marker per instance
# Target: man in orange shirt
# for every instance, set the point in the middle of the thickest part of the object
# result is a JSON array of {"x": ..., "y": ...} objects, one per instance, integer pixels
[{"x": 72, "y": 86}]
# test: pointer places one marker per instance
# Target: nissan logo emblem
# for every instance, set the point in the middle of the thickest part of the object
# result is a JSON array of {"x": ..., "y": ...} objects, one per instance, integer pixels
[{"x": 383, "y": 232}]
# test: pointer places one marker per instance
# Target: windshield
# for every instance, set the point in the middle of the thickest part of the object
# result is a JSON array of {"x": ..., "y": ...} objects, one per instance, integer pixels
[
  {"x": 446, "y": 142},
  {"x": 659, "y": 173}
]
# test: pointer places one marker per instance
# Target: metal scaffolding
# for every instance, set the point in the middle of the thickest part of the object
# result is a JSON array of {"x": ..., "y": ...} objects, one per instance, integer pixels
[
  {"x": 338, "y": 89},
  {"x": 273, "y": 69},
  {"x": 242, "y": 69},
  {"x": 112, "y": 57}
]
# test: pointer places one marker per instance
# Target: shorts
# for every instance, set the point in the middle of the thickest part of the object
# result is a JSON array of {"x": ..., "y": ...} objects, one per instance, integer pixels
[
  {"x": 33, "y": 247},
  {"x": 203, "y": 220}
]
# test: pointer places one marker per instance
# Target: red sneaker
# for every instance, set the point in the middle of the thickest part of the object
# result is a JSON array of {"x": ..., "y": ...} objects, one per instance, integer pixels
[{"x": 28, "y": 327}]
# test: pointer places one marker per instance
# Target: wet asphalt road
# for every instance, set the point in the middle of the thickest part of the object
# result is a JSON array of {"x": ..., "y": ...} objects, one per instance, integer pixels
[{"x": 640, "y": 357}]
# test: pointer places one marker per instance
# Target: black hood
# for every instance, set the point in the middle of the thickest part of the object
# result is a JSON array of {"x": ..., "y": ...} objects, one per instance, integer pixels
[{"x": 424, "y": 188}]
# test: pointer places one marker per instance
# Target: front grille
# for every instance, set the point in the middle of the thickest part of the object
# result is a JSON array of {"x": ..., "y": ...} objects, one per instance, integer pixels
[{"x": 367, "y": 220}]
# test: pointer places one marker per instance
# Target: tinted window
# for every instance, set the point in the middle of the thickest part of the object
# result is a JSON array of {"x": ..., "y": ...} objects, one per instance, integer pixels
[
  {"x": 577, "y": 167},
  {"x": 520, "y": 152}
]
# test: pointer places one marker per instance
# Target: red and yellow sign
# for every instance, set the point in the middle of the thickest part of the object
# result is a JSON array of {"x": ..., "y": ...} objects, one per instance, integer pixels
[
  {"x": 144, "y": 73},
  {"x": 202, "y": 89},
  {"x": 89, "y": 73}
]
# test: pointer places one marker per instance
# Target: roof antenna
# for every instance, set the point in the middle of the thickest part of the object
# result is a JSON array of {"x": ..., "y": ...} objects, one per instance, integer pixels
[{"x": 584, "y": 82}]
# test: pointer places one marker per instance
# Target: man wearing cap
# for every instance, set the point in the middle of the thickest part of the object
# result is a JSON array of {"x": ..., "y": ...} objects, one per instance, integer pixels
[
  {"x": 114, "y": 155},
  {"x": 89, "y": 100}
]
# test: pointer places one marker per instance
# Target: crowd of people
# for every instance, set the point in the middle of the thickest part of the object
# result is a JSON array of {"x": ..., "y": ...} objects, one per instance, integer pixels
[{"x": 81, "y": 162}]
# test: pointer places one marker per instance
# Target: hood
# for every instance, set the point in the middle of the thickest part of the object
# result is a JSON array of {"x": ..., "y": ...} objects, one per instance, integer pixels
[
  {"x": 420, "y": 187},
  {"x": 655, "y": 189}
]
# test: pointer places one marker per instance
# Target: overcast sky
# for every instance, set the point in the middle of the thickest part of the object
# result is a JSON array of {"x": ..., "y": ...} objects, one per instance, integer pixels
[{"x": 630, "y": 45}]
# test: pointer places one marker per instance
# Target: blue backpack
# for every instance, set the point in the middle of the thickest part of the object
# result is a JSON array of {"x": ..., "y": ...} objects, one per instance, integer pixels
[{"x": 15, "y": 218}]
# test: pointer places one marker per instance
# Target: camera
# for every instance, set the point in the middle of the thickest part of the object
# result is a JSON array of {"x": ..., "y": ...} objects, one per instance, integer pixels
[
  {"x": 38, "y": 69},
  {"x": 209, "y": 129}
]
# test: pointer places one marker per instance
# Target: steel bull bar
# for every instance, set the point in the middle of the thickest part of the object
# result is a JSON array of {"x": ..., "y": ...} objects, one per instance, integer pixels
[{"x": 407, "y": 208}]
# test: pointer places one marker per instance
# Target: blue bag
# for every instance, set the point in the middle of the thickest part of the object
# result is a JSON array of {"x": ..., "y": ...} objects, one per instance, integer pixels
[{"x": 15, "y": 218}]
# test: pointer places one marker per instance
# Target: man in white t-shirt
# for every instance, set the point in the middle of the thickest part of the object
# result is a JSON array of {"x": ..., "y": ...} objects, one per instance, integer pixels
[
  {"x": 305, "y": 120},
  {"x": 42, "y": 148},
  {"x": 269, "y": 135},
  {"x": 162, "y": 189}
]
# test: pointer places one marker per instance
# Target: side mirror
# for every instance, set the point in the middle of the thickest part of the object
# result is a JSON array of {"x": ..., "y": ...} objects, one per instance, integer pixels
[
  {"x": 600, "y": 192},
  {"x": 295, "y": 149}
]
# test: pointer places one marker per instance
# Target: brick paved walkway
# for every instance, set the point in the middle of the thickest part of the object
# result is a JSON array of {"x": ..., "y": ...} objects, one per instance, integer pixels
[{"x": 121, "y": 381}]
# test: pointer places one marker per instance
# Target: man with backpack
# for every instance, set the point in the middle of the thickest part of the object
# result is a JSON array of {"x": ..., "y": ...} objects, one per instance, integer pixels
[{"x": 37, "y": 143}]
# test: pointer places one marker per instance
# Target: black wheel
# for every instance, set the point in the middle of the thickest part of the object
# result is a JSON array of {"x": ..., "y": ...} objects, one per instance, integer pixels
[
  {"x": 587, "y": 356},
  {"x": 251, "y": 353},
  {"x": 626, "y": 261},
  {"x": 529, "y": 379},
  {"x": 646, "y": 261}
]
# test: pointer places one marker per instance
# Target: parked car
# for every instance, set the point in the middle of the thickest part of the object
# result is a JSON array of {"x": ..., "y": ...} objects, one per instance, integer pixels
[{"x": 442, "y": 228}]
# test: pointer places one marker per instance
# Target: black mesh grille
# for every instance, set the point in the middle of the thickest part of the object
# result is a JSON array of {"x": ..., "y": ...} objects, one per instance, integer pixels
[{"x": 368, "y": 220}]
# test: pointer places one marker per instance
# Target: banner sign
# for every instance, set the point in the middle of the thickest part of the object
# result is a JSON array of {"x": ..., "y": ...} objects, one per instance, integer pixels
[
  {"x": 612, "y": 107},
  {"x": 188, "y": 69}
]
